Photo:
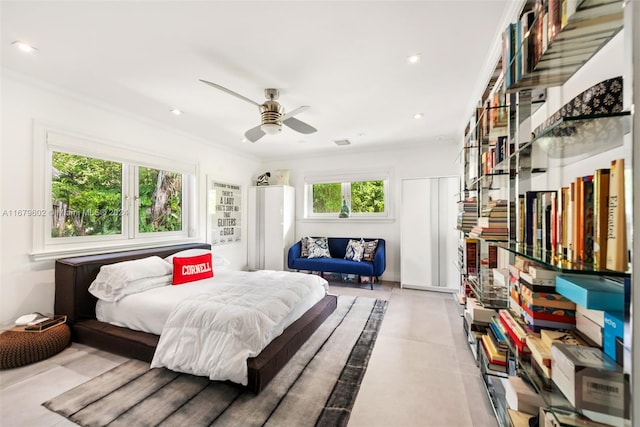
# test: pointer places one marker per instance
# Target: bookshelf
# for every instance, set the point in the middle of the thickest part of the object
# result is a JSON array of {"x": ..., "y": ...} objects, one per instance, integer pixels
[
  {"x": 562, "y": 149},
  {"x": 561, "y": 52}
]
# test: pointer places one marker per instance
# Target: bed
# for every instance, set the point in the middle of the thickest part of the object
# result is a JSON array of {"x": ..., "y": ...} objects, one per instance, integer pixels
[{"x": 73, "y": 276}]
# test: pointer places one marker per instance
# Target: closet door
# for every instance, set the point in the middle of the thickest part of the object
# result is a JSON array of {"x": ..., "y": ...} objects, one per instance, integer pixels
[
  {"x": 271, "y": 226},
  {"x": 427, "y": 236}
]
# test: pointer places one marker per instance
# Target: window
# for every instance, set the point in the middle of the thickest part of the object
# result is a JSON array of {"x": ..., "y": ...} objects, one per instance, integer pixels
[
  {"x": 100, "y": 195},
  {"x": 85, "y": 192},
  {"x": 365, "y": 196}
]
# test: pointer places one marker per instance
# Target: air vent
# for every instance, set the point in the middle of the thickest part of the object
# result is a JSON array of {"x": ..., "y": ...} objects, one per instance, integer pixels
[{"x": 342, "y": 142}]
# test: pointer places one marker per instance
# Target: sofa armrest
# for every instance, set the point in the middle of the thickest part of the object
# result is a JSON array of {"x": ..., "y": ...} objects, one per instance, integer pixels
[
  {"x": 380, "y": 258},
  {"x": 294, "y": 253}
]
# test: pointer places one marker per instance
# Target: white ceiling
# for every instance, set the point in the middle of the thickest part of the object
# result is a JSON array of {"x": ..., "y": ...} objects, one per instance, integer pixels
[{"x": 346, "y": 59}]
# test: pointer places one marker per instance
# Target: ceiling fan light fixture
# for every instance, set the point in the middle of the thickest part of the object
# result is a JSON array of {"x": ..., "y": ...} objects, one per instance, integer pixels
[{"x": 271, "y": 128}]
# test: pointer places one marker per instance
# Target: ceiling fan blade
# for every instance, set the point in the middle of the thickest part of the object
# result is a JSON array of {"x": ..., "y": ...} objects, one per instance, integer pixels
[
  {"x": 230, "y": 92},
  {"x": 299, "y": 126},
  {"x": 294, "y": 112},
  {"x": 254, "y": 134}
]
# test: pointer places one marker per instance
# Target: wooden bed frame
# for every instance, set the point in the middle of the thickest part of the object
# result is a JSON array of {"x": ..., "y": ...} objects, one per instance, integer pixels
[{"x": 72, "y": 298}]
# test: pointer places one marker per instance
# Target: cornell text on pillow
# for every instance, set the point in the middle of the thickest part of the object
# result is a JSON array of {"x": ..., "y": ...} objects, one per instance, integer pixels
[{"x": 190, "y": 269}]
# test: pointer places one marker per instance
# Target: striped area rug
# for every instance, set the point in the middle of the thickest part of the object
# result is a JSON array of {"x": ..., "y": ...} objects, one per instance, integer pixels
[{"x": 317, "y": 387}]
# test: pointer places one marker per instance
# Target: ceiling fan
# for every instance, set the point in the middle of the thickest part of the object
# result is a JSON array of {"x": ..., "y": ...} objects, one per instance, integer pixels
[{"x": 272, "y": 114}]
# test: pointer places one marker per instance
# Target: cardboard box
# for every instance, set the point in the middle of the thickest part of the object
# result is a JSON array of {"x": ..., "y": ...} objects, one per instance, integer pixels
[{"x": 589, "y": 379}]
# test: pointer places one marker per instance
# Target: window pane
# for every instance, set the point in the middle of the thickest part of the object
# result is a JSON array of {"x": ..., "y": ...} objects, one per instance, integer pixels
[
  {"x": 327, "y": 198},
  {"x": 367, "y": 196},
  {"x": 86, "y": 194},
  {"x": 160, "y": 200}
]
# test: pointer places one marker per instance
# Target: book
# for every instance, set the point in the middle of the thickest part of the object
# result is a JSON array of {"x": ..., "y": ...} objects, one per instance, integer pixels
[
  {"x": 576, "y": 369},
  {"x": 596, "y": 316},
  {"x": 617, "y": 257},
  {"x": 545, "y": 299},
  {"x": 600, "y": 216},
  {"x": 43, "y": 324},
  {"x": 529, "y": 214},
  {"x": 586, "y": 252},
  {"x": 545, "y": 216},
  {"x": 569, "y": 245},
  {"x": 563, "y": 223},
  {"x": 521, "y": 396},
  {"x": 592, "y": 292},
  {"x": 542, "y": 273},
  {"x": 589, "y": 328},
  {"x": 578, "y": 221}
]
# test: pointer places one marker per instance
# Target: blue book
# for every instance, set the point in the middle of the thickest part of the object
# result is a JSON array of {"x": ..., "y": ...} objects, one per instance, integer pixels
[
  {"x": 613, "y": 327},
  {"x": 592, "y": 292}
]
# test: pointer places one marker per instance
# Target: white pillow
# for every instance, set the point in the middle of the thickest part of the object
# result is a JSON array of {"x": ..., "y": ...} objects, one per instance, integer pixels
[
  {"x": 219, "y": 261},
  {"x": 114, "y": 281}
]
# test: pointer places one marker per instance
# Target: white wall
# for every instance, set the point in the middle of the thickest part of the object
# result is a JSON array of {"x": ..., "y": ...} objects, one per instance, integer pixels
[
  {"x": 27, "y": 286},
  {"x": 429, "y": 160}
]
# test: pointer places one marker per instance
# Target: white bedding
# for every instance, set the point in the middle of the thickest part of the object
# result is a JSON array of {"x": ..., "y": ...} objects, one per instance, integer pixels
[{"x": 244, "y": 312}]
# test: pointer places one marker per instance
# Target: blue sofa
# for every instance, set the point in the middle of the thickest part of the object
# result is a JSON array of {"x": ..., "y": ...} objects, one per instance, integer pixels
[{"x": 337, "y": 263}]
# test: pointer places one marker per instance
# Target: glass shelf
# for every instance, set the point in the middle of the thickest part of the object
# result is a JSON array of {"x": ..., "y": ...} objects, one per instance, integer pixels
[
  {"x": 544, "y": 387},
  {"x": 575, "y": 138},
  {"x": 491, "y": 296},
  {"x": 588, "y": 29},
  {"x": 555, "y": 262}
]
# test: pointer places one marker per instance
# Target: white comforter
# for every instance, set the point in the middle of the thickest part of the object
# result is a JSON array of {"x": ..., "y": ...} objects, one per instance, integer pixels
[{"x": 214, "y": 333}]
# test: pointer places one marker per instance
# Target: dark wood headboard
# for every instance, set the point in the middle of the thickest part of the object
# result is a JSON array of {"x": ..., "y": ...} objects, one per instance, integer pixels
[{"x": 73, "y": 276}]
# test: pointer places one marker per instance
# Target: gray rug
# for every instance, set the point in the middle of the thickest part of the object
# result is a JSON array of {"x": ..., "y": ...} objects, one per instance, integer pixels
[{"x": 317, "y": 387}]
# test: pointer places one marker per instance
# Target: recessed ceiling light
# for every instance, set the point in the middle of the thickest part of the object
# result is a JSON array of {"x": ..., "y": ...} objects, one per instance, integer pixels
[
  {"x": 418, "y": 115},
  {"x": 244, "y": 140},
  {"x": 414, "y": 59},
  {"x": 25, "y": 47},
  {"x": 176, "y": 112},
  {"x": 342, "y": 142}
]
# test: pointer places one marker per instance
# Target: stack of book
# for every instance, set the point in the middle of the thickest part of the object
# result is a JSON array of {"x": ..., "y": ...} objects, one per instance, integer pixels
[
  {"x": 493, "y": 223},
  {"x": 515, "y": 331},
  {"x": 540, "y": 346},
  {"x": 542, "y": 306},
  {"x": 495, "y": 346},
  {"x": 467, "y": 214},
  {"x": 41, "y": 323}
]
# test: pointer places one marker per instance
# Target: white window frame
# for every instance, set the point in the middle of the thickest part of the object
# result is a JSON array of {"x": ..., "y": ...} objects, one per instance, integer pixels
[
  {"x": 48, "y": 139},
  {"x": 345, "y": 179}
]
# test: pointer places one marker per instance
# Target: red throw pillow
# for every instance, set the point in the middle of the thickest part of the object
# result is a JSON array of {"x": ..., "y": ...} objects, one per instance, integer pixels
[{"x": 190, "y": 269}]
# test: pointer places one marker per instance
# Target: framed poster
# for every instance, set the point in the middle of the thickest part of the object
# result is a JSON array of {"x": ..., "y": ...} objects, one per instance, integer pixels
[{"x": 223, "y": 213}]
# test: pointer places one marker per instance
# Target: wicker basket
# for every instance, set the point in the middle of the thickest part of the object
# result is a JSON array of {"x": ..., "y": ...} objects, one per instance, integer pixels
[{"x": 22, "y": 348}]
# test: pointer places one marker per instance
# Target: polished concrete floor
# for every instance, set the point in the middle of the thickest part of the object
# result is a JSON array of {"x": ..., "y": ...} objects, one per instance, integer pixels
[{"x": 421, "y": 371}]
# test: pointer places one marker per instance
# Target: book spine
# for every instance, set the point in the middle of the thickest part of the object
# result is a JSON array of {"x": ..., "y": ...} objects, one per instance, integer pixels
[
  {"x": 530, "y": 197},
  {"x": 587, "y": 221},
  {"x": 564, "y": 220},
  {"x": 570, "y": 221},
  {"x": 554, "y": 223},
  {"x": 578, "y": 222},
  {"x": 600, "y": 213},
  {"x": 616, "y": 224}
]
